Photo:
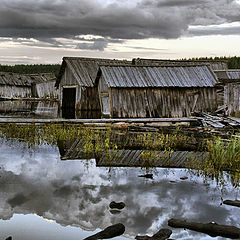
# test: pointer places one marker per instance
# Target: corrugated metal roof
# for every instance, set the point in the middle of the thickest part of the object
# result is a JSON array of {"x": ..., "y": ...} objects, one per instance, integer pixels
[
  {"x": 140, "y": 76},
  {"x": 15, "y": 79},
  {"x": 85, "y": 69},
  {"x": 228, "y": 74}
]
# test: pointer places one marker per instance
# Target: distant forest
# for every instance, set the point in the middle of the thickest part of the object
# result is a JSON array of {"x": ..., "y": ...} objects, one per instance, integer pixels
[
  {"x": 31, "y": 69},
  {"x": 233, "y": 63}
]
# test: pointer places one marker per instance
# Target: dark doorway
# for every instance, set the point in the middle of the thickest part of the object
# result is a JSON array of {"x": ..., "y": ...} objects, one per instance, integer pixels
[{"x": 68, "y": 103}]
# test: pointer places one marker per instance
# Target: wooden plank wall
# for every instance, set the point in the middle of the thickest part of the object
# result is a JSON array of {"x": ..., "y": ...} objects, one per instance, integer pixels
[
  {"x": 88, "y": 106},
  {"x": 87, "y": 98},
  {"x": 162, "y": 102},
  {"x": 47, "y": 90},
  {"x": 15, "y": 91},
  {"x": 232, "y": 98}
]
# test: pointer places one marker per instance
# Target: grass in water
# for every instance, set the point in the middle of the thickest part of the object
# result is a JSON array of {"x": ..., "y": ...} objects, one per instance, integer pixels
[{"x": 221, "y": 155}]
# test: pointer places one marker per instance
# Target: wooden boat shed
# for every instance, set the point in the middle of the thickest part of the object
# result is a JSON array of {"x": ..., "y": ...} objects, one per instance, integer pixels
[
  {"x": 230, "y": 81},
  {"x": 20, "y": 86},
  {"x": 213, "y": 64},
  {"x": 76, "y": 82},
  {"x": 156, "y": 91}
]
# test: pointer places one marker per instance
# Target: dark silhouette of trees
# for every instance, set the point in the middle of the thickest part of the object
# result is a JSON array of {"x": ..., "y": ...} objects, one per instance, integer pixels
[{"x": 31, "y": 69}]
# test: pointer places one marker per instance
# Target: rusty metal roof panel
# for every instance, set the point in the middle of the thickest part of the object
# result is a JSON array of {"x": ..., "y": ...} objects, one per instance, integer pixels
[{"x": 149, "y": 76}]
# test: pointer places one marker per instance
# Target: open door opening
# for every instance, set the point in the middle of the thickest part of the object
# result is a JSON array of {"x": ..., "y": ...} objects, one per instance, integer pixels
[{"x": 68, "y": 103}]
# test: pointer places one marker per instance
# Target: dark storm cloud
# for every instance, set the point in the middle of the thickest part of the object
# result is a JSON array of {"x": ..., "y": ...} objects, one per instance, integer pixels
[
  {"x": 172, "y": 3},
  {"x": 235, "y": 30},
  {"x": 169, "y": 19}
]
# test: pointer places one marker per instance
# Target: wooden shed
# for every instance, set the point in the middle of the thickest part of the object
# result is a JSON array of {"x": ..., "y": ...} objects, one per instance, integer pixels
[
  {"x": 213, "y": 64},
  {"x": 78, "y": 94},
  {"x": 155, "y": 91},
  {"x": 13, "y": 85},
  {"x": 22, "y": 86},
  {"x": 230, "y": 81}
]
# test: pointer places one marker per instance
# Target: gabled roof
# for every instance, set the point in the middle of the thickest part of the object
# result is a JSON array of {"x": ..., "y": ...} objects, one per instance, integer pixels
[
  {"x": 228, "y": 75},
  {"x": 85, "y": 69},
  {"x": 158, "y": 76},
  {"x": 16, "y": 79},
  {"x": 214, "y": 64}
]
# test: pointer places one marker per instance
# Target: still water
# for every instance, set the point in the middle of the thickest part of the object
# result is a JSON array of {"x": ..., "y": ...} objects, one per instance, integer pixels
[{"x": 44, "y": 197}]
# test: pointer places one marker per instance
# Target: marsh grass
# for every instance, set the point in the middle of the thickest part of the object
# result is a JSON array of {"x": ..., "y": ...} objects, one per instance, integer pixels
[
  {"x": 222, "y": 161},
  {"x": 222, "y": 156}
]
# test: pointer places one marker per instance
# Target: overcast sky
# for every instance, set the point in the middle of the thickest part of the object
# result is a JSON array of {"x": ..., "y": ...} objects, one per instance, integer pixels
[{"x": 43, "y": 31}]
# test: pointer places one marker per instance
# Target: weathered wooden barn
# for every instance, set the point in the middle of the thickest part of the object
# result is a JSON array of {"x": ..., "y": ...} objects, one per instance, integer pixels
[
  {"x": 230, "y": 81},
  {"x": 78, "y": 93},
  {"x": 148, "y": 91},
  {"x": 213, "y": 64},
  {"x": 13, "y": 85},
  {"x": 19, "y": 86}
]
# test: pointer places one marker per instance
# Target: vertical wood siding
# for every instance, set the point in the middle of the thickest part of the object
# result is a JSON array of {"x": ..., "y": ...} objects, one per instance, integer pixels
[
  {"x": 232, "y": 98},
  {"x": 164, "y": 102},
  {"x": 87, "y": 98},
  {"x": 47, "y": 90},
  {"x": 7, "y": 91}
]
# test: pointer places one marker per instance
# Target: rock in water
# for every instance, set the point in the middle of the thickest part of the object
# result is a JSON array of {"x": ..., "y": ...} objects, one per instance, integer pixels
[
  {"x": 149, "y": 175},
  {"x": 109, "y": 232},
  {"x": 118, "y": 205}
]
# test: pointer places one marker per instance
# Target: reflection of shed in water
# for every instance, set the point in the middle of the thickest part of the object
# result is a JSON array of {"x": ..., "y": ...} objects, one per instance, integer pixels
[
  {"x": 129, "y": 157},
  {"x": 156, "y": 91},
  {"x": 14, "y": 85},
  {"x": 41, "y": 109},
  {"x": 230, "y": 81},
  {"x": 76, "y": 81},
  {"x": 142, "y": 158}
]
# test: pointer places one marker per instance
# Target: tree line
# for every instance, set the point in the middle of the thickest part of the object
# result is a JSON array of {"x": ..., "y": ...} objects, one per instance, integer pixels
[
  {"x": 31, "y": 69},
  {"x": 233, "y": 63}
]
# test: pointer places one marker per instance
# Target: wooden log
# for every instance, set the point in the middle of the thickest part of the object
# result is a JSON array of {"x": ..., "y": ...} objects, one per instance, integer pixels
[
  {"x": 109, "y": 232},
  {"x": 235, "y": 203},
  {"x": 212, "y": 229},
  {"x": 162, "y": 234}
]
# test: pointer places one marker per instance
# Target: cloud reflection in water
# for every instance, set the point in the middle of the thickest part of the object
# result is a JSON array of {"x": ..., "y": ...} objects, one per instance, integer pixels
[{"x": 77, "y": 193}]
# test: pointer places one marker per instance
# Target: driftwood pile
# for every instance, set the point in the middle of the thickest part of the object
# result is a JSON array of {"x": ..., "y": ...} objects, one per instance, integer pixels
[{"x": 217, "y": 121}]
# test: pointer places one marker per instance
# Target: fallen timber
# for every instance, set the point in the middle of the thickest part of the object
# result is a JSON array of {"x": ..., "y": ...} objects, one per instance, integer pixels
[
  {"x": 202, "y": 120},
  {"x": 170, "y": 121},
  {"x": 212, "y": 229},
  {"x": 235, "y": 203},
  {"x": 109, "y": 232}
]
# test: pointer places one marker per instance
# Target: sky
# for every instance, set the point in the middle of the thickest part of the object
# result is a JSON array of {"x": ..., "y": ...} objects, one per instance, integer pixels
[{"x": 42, "y": 31}]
